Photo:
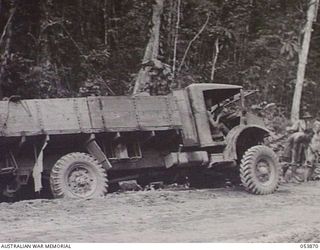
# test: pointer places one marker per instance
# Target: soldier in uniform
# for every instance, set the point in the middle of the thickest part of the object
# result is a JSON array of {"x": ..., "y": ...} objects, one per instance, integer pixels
[
  {"x": 297, "y": 146},
  {"x": 214, "y": 116},
  {"x": 313, "y": 153},
  {"x": 299, "y": 139}
]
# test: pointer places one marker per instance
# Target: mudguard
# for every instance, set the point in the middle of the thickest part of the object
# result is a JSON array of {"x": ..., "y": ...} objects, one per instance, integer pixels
[{"x": 241, "y": 138}]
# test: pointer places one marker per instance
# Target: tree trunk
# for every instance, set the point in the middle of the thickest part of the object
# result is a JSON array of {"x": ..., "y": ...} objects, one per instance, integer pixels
[
  {"x": 43, "y": 57},
  {"x": 303, "y": 56},
  {"x": 170, "y": 22},
  {"x": 6, "y": 38},
  {"x": 176, "y": 39},
  {"x": 152, "y": 49},
  {"x": 190, "y": 43},
  {"x": 7, "y": 27},
  {"x": 105, "y": 22},
  {"x": 81, "y": 24},
  {"x": 215, "y": 55}
]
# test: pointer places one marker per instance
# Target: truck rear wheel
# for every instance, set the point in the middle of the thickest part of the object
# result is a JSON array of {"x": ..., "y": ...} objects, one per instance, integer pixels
[
  {"x": 259, "y": 170},
  {"x": 78, "y": 175}
]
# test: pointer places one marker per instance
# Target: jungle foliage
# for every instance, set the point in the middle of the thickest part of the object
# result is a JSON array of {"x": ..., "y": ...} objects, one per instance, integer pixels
[{"x": 55, "y": 48}]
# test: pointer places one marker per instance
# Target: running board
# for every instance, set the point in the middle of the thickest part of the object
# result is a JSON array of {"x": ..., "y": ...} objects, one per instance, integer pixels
[{"x": 219, "y": 160}]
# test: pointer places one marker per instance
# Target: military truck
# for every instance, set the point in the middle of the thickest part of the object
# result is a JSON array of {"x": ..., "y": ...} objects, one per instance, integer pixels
[{"x": 75, "y": 146}]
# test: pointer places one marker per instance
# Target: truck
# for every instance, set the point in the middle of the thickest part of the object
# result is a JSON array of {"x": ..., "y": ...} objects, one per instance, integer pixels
[{"x": 78, "y": 147}]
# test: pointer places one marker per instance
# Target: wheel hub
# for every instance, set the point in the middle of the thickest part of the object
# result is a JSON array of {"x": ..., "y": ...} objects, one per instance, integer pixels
[
  {"x": 263, "y": 171},
  {"x": 81, "y": 181}
]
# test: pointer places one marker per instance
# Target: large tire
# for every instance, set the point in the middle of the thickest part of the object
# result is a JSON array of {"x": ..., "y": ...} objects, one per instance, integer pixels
[
  {"x": 260, "y": 170},
  {"x": 78, "y": 175}
]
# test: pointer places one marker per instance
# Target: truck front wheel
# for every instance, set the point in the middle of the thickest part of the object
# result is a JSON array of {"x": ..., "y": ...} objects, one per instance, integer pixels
[
  {"x": 78, "y": 175},
  {"x": 259, "y": 170}
]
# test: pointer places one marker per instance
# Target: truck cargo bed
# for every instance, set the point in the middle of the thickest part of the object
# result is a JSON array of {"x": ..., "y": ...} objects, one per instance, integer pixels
[{"x": 88, "y": 115}]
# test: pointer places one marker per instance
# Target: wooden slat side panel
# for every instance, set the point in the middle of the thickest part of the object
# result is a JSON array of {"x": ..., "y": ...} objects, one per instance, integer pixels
[
  {"x": 119, "y": 112},
  {"x": 152, "y": 111},
  {"x": 3, "y": 117},
  {"x": 20, "y": 117},
  {"x": 3, "y": 114},
  {"x": 82, "y": 113},
  {"x": 175, "y": 112},
  {"x": 95, "y": 113},
  {"x": 92, "y": 114},
  {"x": 58, "y": 114}
]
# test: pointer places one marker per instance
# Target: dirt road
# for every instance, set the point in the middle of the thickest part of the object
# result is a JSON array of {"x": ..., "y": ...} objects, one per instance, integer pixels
[{"x": 217, "y": 215}]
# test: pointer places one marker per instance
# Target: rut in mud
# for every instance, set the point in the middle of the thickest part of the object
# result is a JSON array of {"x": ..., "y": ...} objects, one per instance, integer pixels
[{"x": 200, "y": 215}]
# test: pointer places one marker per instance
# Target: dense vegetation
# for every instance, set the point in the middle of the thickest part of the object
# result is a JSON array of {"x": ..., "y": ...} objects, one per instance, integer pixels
[{"x": 55, "y": 48}]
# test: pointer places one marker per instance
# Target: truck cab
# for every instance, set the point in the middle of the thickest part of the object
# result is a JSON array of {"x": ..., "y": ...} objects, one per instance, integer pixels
[
  {"x": 236, "y": 138},
  {"x": 198, "y": 101},
  {"x": 204, "y": 97}
]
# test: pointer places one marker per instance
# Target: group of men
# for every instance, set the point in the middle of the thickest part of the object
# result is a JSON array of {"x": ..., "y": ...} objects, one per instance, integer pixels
[{"x": 304, "y": 145}]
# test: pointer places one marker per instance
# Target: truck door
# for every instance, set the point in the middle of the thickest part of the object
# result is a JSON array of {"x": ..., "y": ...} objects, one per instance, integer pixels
[
  {"x": 199, "y": 111},
  {"x": 202, "y": 98}
]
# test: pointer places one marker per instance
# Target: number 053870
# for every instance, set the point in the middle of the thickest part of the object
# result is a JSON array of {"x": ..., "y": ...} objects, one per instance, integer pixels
[{"x": 309, "y": 245}]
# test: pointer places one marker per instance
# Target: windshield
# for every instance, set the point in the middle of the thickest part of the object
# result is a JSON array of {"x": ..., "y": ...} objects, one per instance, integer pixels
[{"x": 220, "y": 96}]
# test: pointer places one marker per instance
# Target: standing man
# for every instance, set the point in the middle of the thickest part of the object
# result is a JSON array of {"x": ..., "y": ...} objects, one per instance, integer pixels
[
  {"x": 313, "y": 153},
  {"x": 297, "y": 146},
  {"x": 299, "y": 139}
]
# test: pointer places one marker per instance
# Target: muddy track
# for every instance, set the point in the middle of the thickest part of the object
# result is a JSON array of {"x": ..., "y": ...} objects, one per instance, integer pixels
[{"x": 207, "y": 215}]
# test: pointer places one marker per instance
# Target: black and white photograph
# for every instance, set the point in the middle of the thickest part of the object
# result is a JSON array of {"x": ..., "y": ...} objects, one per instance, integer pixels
[{"x": 159, "y": 121}]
